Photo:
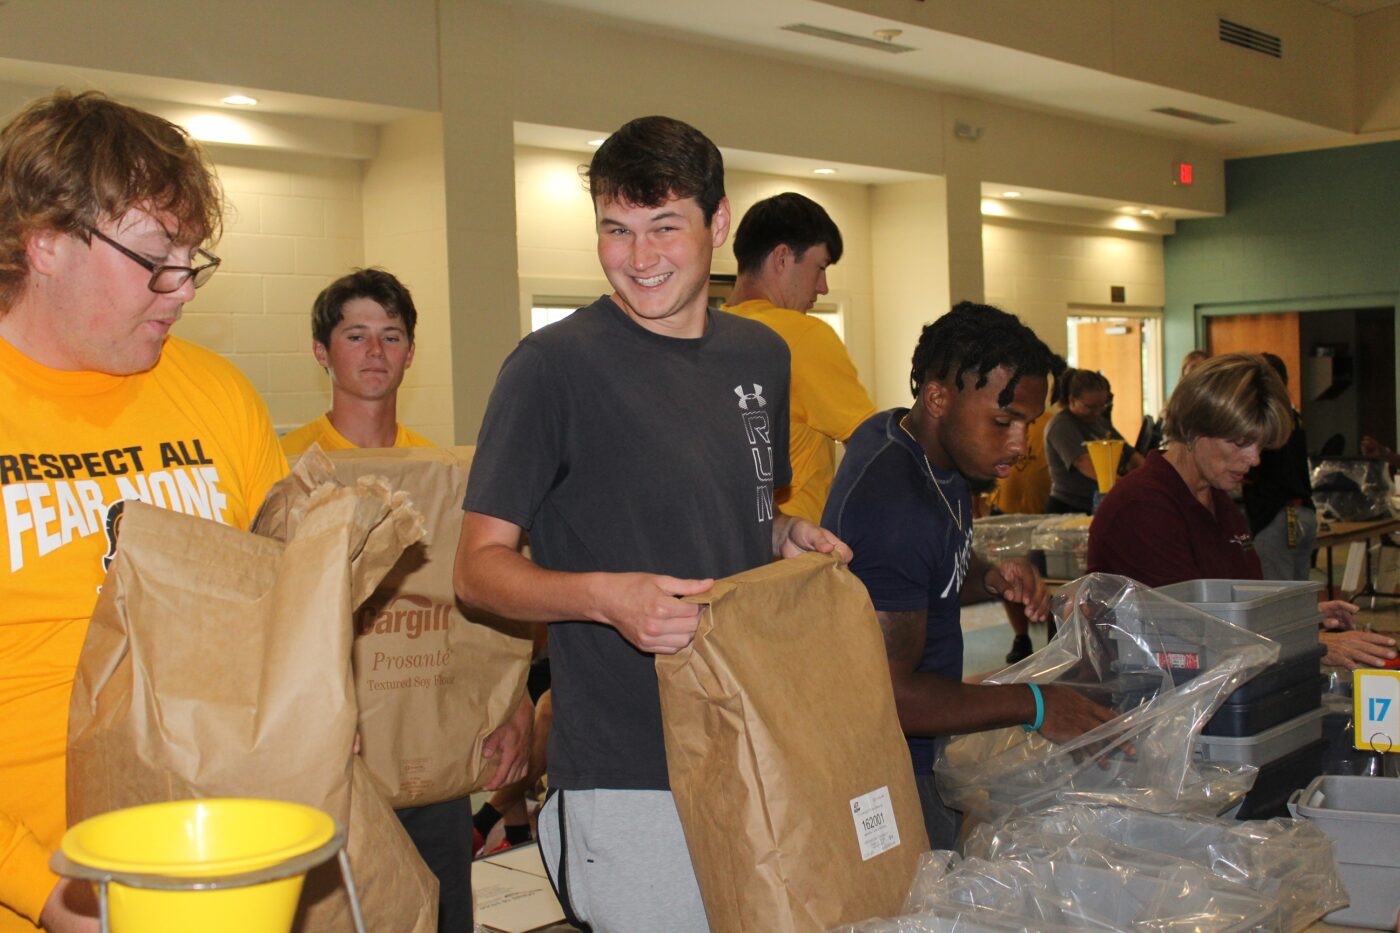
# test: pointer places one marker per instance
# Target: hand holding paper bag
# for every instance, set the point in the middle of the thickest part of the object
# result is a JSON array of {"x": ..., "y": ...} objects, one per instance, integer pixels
[
  {"x": 218, "y": 664},
  {"x": 789, "y": 769}
]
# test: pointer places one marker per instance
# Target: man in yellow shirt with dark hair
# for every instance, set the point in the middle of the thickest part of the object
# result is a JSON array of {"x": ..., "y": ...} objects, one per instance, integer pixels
[
  {"x": 362, "y": 335},
  {"x": 784, "y": 245},
  {"x": 102, "y": 212}
]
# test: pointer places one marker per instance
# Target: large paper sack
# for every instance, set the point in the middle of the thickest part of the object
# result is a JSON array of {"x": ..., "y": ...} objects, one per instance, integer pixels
[
  {"x": 218, "y": 664},
  {"x": 431, "y": 683},
  {"x": 789, "y": 769}
]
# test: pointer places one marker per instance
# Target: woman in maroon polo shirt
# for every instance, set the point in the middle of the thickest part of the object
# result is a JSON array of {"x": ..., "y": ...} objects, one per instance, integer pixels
[{"x": 1174, "y": 520}]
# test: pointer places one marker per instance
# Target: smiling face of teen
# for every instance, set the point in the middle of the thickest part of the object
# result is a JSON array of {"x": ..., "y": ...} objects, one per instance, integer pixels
[
  {"x": 368, "y": 353},
  {"x": 95, "y": 310},
  {"x": 1221, "y": 463},
  {"x": 657, "y": 260}
]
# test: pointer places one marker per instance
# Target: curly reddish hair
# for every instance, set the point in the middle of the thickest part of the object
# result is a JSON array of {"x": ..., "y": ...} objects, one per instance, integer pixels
[{"x": 71, "y": 161}]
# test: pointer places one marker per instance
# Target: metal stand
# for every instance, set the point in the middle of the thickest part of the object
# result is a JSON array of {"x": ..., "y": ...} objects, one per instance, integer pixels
[{"x": 299, "y": 865}]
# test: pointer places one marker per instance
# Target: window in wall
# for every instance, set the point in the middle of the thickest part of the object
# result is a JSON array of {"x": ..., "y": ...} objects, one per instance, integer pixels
[
  {"x": 1128, "y": 351},
  {"x": 546, "y": 311},
  {"x": 831, "y": 313}
]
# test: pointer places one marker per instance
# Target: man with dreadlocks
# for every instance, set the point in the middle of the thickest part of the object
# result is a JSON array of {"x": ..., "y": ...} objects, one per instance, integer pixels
[{"x": 902, "y": 500}]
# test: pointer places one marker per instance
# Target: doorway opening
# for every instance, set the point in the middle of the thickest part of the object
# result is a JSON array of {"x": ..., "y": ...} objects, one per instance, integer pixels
[{"x": 1127, "y": 349}]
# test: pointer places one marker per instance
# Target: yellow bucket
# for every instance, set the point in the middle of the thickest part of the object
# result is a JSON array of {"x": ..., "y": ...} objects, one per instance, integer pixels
[
  {"x": 1104, "y": 455},
  {"x": 194, "y": 840}
]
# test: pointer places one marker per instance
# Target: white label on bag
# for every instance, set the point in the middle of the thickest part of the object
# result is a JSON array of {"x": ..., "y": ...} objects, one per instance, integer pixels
[{"x": 874, "y": 819}]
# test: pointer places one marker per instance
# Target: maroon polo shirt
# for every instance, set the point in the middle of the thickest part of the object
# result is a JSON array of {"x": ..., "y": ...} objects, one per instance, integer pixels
[{"x": 1152, "y": 529}]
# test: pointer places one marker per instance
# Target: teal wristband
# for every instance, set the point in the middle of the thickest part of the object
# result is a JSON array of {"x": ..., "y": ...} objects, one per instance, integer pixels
[{"x": 1039, "y": 710}]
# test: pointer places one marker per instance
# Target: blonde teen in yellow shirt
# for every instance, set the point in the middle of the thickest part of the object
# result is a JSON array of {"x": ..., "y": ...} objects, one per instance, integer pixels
[
  {"x": 102, "y": 209},
  {"x": 784, "y": 245}
]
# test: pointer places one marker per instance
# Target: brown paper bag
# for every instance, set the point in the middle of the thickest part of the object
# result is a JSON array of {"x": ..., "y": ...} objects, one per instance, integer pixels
[
  {"x": 217, "y": 664},
  {"x": 789, "y": 769},
  {"x": 431, "y": 683}
]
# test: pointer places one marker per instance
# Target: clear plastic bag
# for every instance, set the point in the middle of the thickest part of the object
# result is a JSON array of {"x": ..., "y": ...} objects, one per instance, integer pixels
[
  {"x": 1288, "y": 862},
  {"x": 1072, "y": 890},
  {"x": 1001, "y": 537},
  {"x": 1060, "y": 546},
  {"x": 1062, "y": 533},
  {"x": 1165, "y": 666},
  {"x": 1352, "y": 490}
]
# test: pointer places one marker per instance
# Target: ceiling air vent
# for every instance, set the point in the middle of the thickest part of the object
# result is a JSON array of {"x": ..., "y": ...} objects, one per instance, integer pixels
[
  {"x": 1180, "y": 114},
  {"x": 879, "y": 45},
  {"x": 1252, "y": 39}
]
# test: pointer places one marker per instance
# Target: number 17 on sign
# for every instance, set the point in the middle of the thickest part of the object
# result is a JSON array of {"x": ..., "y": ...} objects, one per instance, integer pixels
[{"x": 1377, "y": 709}]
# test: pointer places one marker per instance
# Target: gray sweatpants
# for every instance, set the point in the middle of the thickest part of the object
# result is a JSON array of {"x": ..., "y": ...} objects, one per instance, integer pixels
[{"x": 626, "y": 867}]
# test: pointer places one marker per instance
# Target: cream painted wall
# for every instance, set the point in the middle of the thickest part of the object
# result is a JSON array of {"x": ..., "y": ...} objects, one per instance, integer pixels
[
  {"x": 557, "y": 244},
  {"x": 1378, "y": 88},
  {"x": 383, "y": 53},
  {"x": 909, "y": 248},
  {"x": 1172, "y": 44},
  {"x": 476, "y": 61},
  {"x": 295, "y": 223},
  {"x": 405, "y": 220},
  {"x": 1039, "y": 271}
]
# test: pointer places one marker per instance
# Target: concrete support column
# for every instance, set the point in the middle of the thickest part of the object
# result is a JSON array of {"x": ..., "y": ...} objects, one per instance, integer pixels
[{"x": 479, "y": 162}]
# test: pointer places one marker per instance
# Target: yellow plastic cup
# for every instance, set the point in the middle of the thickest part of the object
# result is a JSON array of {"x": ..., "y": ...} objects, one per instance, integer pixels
[
  {"x": 1104, "y": 455},
  {"x": 200, "y": 839}
]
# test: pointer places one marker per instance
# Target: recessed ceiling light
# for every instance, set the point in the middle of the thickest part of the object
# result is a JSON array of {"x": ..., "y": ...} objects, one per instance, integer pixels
[
  {"x": 1011, "y": 194},
  {"x": 1147, "y": 212},
  {"x": 595, "y": 143},
  {"x": 823, "y": 171},
  {"x": 240, "y": 100}
]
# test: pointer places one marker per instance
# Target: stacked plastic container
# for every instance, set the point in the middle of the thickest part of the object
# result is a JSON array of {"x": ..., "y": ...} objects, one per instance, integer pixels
[
  {"x": 1274, "y": 721},
  {"x": 1362, "y": 815}
]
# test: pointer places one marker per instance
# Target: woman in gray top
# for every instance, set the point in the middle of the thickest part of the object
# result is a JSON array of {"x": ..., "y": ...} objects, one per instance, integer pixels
[{"x": 1085, "y": 396}]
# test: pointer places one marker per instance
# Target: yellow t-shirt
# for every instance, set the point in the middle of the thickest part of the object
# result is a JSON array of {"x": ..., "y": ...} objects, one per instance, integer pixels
[
  {"x": 1027, "y": 489},
  {"x": 322, "y": 432},
  {"x": 826, "y": 403},
  {"x": 190, "y": 435}
]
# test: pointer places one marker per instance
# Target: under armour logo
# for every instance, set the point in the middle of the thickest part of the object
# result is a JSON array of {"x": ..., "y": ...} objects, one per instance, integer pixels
[{"x": 745, "y": 396}]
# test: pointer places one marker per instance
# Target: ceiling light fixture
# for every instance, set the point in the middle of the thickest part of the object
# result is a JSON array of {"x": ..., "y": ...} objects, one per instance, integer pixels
[
  {"x": 1011, "y": 194},
  {"x": 240, "y": 100},
  {"x": 595, "y": 143},
  {"x": 823, "y": 171}
]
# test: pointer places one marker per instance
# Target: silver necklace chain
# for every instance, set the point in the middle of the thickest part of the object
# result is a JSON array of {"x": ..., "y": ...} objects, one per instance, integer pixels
[{"x": 956, "y": 516}]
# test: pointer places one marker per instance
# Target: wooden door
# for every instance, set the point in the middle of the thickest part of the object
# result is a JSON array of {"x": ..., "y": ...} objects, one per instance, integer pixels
[
  {"x": 1114, "y": 348},
  {"x": 1257, "y": 333}
]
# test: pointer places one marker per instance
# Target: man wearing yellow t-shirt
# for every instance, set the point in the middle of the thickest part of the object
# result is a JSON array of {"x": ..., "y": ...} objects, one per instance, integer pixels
[
  {"x": 362, "y": 335},
  {"x": 102, "y": 210},
  {"x": 784, "y": 245}
]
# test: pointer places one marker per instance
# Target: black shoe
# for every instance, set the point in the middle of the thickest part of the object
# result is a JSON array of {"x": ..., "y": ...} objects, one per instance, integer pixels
[{"x": 1020, "y": 649}]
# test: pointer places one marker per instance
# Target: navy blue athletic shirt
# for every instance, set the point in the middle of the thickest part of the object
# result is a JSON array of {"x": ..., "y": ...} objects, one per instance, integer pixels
[{"x": 909, "y": 552}]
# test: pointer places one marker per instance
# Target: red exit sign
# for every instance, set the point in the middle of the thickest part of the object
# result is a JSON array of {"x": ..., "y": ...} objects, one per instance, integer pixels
[{"x": 1183, "y": 173}]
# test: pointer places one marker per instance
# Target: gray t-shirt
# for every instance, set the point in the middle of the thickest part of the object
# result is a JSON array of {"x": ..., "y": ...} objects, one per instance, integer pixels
[
  {"x": 623, "y": 450},
  {"x": 1064, "y": 441}
]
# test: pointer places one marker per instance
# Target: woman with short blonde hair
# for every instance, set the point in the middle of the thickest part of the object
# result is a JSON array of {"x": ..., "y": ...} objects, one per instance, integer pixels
[{"x": 1173, "y": 519}]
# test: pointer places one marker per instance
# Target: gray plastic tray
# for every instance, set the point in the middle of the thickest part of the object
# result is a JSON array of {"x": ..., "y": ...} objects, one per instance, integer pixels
[
  {"x": 1258, "y": 605},
  {"x": 1362, "y": 815},
  {"x": 1267, "y": 746}
]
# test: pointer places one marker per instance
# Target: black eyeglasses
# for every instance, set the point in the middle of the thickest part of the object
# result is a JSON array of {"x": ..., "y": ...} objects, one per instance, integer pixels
[{"x": 166, "y": 279}]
